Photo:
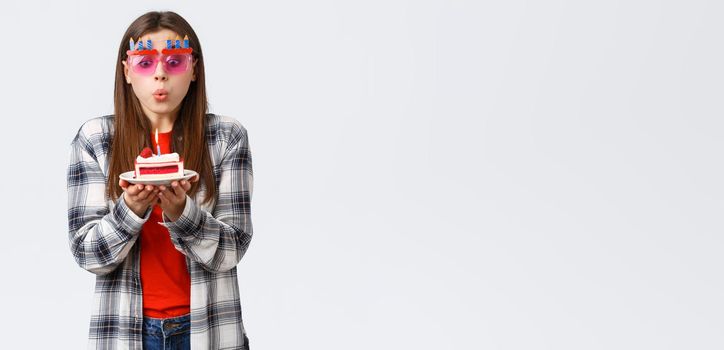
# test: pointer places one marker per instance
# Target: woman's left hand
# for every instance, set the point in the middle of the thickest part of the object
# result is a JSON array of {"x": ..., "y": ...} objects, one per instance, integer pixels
[{"x": 173, "y": 199}]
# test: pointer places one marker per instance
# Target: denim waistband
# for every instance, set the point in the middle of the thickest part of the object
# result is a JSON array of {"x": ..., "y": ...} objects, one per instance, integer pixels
[{"x": 166, "y": 326}]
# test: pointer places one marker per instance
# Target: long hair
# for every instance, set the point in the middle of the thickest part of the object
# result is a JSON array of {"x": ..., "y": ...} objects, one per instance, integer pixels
[{"x": 133, "y": 129}]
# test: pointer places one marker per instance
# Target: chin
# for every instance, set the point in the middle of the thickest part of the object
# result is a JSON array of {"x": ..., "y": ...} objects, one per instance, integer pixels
[{"x": 162, "y": 107}]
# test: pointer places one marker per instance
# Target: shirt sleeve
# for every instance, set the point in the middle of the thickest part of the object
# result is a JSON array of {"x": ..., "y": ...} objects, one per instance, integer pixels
[
  {"x": 100, "y": 238},
  {"x": 218, "y": 240}
]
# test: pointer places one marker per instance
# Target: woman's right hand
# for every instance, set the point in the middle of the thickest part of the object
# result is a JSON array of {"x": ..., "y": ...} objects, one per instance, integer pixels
[{"x": 139, "y": 197}]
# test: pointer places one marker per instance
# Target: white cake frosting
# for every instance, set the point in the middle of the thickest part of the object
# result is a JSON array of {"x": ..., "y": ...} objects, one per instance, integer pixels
[{"x": 169, "y": 157}]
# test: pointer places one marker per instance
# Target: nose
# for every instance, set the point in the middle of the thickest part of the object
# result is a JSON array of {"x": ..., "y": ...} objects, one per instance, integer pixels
[{"x": 160, "y": 73}]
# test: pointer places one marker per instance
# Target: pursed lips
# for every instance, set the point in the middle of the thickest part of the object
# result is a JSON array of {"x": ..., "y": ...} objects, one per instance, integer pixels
[{"x": 160, "y": 94}]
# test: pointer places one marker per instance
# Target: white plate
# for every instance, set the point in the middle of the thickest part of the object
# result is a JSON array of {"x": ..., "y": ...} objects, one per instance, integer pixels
[{"x": 129, "y": 176}]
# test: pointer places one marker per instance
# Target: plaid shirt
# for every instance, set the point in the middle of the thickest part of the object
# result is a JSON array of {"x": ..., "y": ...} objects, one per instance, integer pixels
[{"x": 104, "y": 236}]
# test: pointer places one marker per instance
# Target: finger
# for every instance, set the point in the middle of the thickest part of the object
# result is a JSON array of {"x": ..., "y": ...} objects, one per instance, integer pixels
[
  {"x": 152, "y": 198},
  {"x": 195, "y": 178},
  {"x": 178, "y": 191},
  {"x": 145, "y": 192},
  {"x": 133, "y": 190},
  {"x": 122, "y": 183},
  {"x": 164, "y": 197},
  {"x": 165, "y": 193},
  {"x": 186, "y": 185}
]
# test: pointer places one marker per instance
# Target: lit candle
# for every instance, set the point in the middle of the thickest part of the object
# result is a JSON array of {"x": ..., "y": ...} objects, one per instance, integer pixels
[
  {"x": 186, "y": 41},
  {"x": 158, "y": 147},
  {"x": 178, "y": 42},
  {"x": 140, "y": 44},
  {"x": 131, "y": 42},
  {"x": 168, "y": 44},
  {"x": 148, "y": 44}
]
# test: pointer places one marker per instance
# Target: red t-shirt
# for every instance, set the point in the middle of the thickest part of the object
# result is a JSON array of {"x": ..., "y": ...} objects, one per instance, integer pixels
[{"x": 165, "y": 279}]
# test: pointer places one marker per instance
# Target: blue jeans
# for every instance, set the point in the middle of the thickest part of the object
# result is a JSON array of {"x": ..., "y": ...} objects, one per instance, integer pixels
[{"x": 167, "y": 334}]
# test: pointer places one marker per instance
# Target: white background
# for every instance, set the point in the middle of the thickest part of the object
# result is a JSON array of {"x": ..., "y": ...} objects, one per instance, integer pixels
[{"x": 428, "y": 174}]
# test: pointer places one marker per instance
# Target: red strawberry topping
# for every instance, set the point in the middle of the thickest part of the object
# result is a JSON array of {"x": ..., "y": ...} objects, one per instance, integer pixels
[{"x": 146, "y": 153}]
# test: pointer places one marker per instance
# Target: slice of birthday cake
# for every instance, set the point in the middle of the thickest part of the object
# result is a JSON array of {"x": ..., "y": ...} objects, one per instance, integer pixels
[{"x": 150, "y": 166}]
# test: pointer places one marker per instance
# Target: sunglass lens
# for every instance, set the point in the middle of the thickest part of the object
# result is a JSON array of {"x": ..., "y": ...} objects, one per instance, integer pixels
[
  {"x": 144, "y": 64},
  {"x": 175, "y": 64}
]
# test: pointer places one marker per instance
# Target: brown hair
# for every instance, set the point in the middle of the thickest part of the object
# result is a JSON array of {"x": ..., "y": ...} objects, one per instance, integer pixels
[{"x": 133, "y": 129}]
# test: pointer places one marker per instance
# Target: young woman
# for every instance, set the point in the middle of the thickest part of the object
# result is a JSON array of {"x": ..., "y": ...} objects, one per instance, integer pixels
[{"x": 164, "y": 256}]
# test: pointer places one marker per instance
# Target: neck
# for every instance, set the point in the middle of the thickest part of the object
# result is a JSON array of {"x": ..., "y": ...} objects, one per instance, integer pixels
[{"x": 161, "y": 121}]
